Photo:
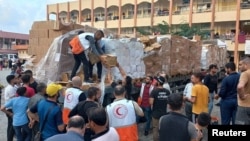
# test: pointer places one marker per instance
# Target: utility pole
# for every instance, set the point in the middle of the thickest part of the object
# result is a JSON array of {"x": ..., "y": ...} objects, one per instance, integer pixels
[{"x": 237, "y": 28}]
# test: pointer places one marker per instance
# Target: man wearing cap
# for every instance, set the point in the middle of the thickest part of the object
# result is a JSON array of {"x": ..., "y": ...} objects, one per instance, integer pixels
[
  {"x": 54, "y": 123},
  {"x": 158, "y": 102}
]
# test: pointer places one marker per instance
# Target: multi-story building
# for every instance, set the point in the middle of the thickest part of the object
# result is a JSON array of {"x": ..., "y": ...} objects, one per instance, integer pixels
[
  {"x": 123, "y": 16},
  {"x": 9, "y": 39}
]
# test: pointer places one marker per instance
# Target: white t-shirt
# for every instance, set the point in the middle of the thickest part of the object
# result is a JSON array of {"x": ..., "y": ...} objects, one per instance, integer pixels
[
  {"x": 9, "y": 92},
  {"x": 110, "y": 135},
  {"x": 188, "y": 90},
  {"x": 166, "y": 86}
]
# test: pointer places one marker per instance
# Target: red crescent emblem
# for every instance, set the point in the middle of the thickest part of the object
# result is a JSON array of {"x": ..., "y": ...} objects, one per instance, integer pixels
[
  {"x": 69, "y": 97},
  {"x": 120, "y": 111},
  {"x": 117, "y": 111}
]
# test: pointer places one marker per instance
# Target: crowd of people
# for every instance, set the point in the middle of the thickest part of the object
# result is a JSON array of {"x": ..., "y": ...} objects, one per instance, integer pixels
[
  {"x": 15, "y": 65},
  {"x": 33, "y": 111}
]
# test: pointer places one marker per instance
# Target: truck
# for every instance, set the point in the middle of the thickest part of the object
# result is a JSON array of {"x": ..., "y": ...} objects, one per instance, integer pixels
[{"x": 179, "y": 57}]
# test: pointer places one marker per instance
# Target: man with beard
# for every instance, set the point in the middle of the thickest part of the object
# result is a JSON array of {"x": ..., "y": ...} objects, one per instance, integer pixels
[
  {"x": 228, "y": 94},
  {"x": 243, "y": 110},
  {"x": 82, "y": 109},
  {"x": 146, "y": 89},
  {"x": 211, "y": 81},
  {"x": 158, "y": 101}
]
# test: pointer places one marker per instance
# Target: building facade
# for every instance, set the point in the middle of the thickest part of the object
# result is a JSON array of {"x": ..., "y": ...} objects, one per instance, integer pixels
[
  {"x": 122, "y": 16},
  {"x": 9, "y": 39}
]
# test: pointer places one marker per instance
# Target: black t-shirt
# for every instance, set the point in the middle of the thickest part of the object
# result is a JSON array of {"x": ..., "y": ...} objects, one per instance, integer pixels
[
  {"x": 82, "y": 109},
  {"x": 211, "y": 81},
  {"x": 34, "y": 85},
  {"x": 160, "y": 96}
]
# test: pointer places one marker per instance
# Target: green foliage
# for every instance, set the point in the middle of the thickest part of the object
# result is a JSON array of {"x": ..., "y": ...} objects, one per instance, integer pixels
[
  {"x": 163, "y": 28},
  {"x": 143, "y": 31},
  {"x": 185, "y": 30}
]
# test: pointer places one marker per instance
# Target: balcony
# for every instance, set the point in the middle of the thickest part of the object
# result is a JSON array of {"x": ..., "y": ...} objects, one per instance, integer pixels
[
  {"x": 112, "y": 24},
  {"x": 242, "y": 40},
  {"x": 127, "y": 22},
  {"x": 161, "y": 12},
  {"x": 199, "y": 17},
  {"x": 245, "y": 4},
  {"x": 99, "y": 24}
]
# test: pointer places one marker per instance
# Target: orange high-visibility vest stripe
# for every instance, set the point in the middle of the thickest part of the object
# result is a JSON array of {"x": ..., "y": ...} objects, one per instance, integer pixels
[
  {"x": 128, "y": 133},
  {"x": 65, "y": 115},
  {"x": 76, "y": 45}
]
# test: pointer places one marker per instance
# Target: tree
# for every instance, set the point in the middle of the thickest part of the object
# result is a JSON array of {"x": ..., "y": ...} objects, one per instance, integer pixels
[
  {"x": 185, "y": 30},
  {"x": 142, "y": 31},
  {"x": 163, "y": 28}
]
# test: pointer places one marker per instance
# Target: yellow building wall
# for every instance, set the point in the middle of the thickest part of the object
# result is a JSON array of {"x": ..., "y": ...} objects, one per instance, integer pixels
[
  {"x": 63, "y": 7},
  {"x": 99, "y": 3},
  {"x": 245, "y": 14},
  {"x": 74, "y": 5},
  {"x": 225, "y": 5},
  {"x": 52, "y": 8},
  {"x": 127, "y": 2},
  {"x": 86, "y": 4},
  {"x": 199, "y": 17},
  {"x": 178, "y": 19},
  {"x": 225, "y": 14},
  {"x": 112, "y": 23},
  {"x": 158, "y": 20},
  {"x": 128, "y": 23},
  {"x": 112, "y": 3},
  {"x": 99, "y": 24}
]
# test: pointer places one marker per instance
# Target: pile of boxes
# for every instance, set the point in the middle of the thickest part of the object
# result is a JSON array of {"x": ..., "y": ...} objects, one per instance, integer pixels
[
  {"x": 43, "y": 33},
  {"x": 150, "y": 43},
  {"x": 178, "y": 56}
]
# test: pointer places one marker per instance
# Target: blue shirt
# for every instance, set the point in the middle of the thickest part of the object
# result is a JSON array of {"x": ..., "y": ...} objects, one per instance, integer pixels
[
  {"x": 54, "y": 118},
  {"x": 229, "y": 84},
  {"x": 69, "y": 136},
  {"x": 19, "y": 107}
]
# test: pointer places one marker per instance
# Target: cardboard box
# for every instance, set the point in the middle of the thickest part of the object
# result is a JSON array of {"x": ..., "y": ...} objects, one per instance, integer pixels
[
  {"x": 43, "y": 25},
  {"x": 33, "y": 33},
  {"x": 152, "y": 40},
  {"x": 111, "y": 60},
  {"x": 53, "y": 34},
  {"x": 34, "y": 41},
  {"x": 43, "y": 33},
  {"x": 65, "y": 77},
  {"x": 39, "y": 33},
  {"x": 45, "y": 42},
  {"x": 145, "y": 39},
  {"x": 156, "y": 45}
]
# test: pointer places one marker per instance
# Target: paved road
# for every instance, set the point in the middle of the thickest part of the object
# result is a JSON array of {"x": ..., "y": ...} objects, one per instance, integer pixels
[{"x": 3, "y": 119}]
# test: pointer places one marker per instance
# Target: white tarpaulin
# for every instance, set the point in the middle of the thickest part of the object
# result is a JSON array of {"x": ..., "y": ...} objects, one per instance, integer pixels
[
  {"x": 221, "y": 44},
  {"x": 247, "y": 47}
]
